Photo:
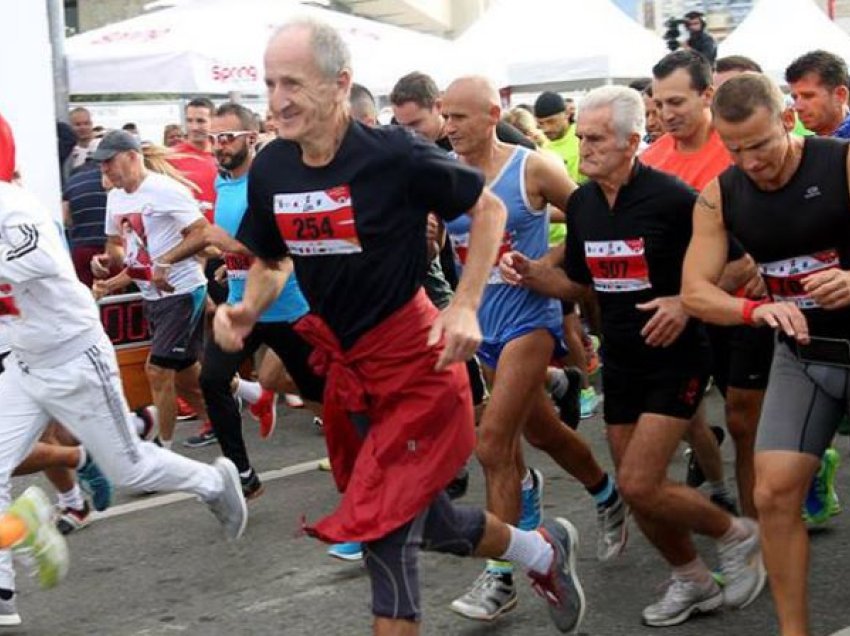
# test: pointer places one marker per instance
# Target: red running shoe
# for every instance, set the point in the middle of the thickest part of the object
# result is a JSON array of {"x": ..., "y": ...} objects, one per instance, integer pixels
[
  {"x": 185, "y": 411},
  {"x": 265, "y": 412}
]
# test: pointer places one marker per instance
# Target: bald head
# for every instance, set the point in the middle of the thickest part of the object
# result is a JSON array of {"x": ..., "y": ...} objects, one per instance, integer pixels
[
  {"x": 471, "y": 110},
  {"x": 475, "y": 91}
]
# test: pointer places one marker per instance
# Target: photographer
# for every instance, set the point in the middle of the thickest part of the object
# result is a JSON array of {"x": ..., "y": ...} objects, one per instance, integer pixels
[{"x": 699, "y": 40}]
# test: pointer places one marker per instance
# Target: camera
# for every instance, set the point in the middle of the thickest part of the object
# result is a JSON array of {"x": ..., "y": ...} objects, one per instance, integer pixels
[{"x": 673, "y": 32}]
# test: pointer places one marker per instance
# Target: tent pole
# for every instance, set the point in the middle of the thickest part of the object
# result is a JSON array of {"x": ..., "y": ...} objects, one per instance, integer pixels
[{"x": 56, "y": 24}]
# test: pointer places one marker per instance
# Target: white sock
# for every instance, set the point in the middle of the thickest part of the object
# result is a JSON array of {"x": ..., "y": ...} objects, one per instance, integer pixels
[
  {"x": 84, "y": 456},
  {"x": 529, "y": 550},
  {"x": 248, "y": 391},
  {"x": 528, "y": 480},
  {"x": 738, "y": 531},
  {"x": 695, "y": 571},
  {"x": 71, "y": 499},
  {"x": 166, "y": 443}
]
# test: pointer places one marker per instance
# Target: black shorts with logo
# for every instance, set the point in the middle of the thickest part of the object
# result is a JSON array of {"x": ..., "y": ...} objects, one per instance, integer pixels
[{"x": 742, "y": 356}]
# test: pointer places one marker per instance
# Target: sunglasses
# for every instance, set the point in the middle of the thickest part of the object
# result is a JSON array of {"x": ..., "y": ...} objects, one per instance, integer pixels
[{"x": 228, "y": 137}]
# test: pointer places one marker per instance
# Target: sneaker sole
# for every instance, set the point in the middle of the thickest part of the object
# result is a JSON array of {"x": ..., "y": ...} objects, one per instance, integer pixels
[
  {"x": 348, "y": 558},
  {"x": 504, "y": 609},
  {"x": 703, "y": 607},
  {"x": 259, "y": 491},
  {"x": 762, "y": 580},
  {"x": 10, "y": 620},
  {"x": 229, "y": 472},
  {"x": 571, "y": 563},
  {"x": 187, "y": 444}
]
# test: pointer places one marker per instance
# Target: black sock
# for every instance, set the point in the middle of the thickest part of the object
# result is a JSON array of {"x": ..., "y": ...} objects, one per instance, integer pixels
[{"x": 5, "y": 594}]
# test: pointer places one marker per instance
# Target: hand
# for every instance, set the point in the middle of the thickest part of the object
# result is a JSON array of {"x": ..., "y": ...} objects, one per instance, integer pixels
[
  {"x": 786, "y": 317},
  {"x": 100, "y": 288},
  {"x": 516, "y": 268},
  {"x": 232, "y": 324},
  {"x": 755, "y": 287},
  {"x": 829, "y": 288},
  {"x": 220, "y": 275},
  {"x": 160, "y": 277},
  {"x": 668, "y": 322},
  {"x": 458, "y": 326},
  {"x": 100, "y": 265}
]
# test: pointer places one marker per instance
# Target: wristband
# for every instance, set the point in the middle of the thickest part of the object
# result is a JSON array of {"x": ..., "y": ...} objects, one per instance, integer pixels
[{"x": 748, "y": 308}]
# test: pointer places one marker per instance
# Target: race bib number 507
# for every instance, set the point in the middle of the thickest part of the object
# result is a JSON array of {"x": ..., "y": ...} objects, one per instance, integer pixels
[
  {"x": 318, "y": 223},
  {"x": 618, "y": 266}
]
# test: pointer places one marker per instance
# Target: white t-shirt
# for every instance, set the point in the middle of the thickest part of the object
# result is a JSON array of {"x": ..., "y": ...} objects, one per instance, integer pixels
[
  {"x": 149, "y": 222},
  {"x": 47, "y": 316},
  {"x": 80, "y": 155}
]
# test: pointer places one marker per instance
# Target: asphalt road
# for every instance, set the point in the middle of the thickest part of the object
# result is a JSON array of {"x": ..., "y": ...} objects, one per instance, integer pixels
[{"x": 159, "y": 566}]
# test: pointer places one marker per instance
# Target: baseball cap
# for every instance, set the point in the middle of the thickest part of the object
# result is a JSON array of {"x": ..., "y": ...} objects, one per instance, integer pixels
[
  {"x": 548, "y": 104},
  {"x": 115, "y": 142}
]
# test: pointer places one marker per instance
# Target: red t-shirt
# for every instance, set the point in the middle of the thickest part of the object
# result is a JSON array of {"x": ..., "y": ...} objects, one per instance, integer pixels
[
  {"x": 200, "y": 168},
  {"x": 696, "y": 169},
  {"x": 7, "y": 151}
]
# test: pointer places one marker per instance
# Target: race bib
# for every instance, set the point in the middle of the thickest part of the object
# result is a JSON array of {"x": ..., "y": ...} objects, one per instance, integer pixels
[
  {"x": 618, "y": 266},
  {"x": 784, "y": 279},
  {"x": 460, "y": 243},
  {"x": 318, "y": 223},
  {"x": 237, "y": 265},
  {"x": 8, "y": 308}
]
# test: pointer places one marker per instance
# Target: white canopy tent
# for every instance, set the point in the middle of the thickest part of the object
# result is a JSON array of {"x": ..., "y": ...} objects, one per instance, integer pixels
[
  {"x": 216, "y": 47},
  {"x": 557, "y": 44},
  {"x": 777, "y": 31}
]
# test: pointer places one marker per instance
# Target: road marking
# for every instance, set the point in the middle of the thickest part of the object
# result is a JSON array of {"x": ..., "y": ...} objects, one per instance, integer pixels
[{"x": 175, "y": 497}]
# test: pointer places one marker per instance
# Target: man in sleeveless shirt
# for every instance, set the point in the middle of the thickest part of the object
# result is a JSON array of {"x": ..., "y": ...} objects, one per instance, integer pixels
[
  {"x": 786, "y": 200},
  {"x": 521, "y": 329}
]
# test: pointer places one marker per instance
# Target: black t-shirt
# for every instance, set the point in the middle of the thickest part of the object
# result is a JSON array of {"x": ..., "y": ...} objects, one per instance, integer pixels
[
  {"x": 797, "y": 230},
  {"x": 355, "y": 227},
  {"x": 632, "y": 253}
]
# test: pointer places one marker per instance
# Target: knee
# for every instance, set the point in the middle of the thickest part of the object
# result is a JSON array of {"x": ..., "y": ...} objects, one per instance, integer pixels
[
  {"x": 158, "y": 377},
  {"x": 494, "y": 450},
  {"x": 777, "y": 497},
  {"x": 741, "y": 420},
  {"x": 637, "y": 489}
]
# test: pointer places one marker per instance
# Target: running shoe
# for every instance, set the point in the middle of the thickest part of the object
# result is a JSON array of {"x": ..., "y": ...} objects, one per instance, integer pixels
[
  {"x": 264, "y": 411},
  {"x": 150, "y": 418},
  {"x": 42, "y": 549},
  {"x": 569, "y": 405},
  {"x": 252, "y": 487},
  {"x": 532, "y": 503},
  {"x": 318, "y": 425},
  {"x": 184, "y": 410},
  {"x": 70, "y": 520},
  {"x": 681, "y": 600},
  {"x": 613, "y": 530},
  {"x": 348, "y": 551},
  {"x": 560, "y": 587},
  {"x": 822, "y": 501},
  {"x": 9, "y": 616},
  {"x": 95, "y": 484},
  {"x": 205, "y": 437},
  {"x": 695, "y": 477},
  {"x": 293, "y": 401},
  {"x": 229, "y": 507},
  {"x": 588, "y": 402},
  {"x": 458, "y": 486},
  {"x": 742, "y": 568},
  {"x": 591, "y": 350},
  {"x": 491, "y": 595}
]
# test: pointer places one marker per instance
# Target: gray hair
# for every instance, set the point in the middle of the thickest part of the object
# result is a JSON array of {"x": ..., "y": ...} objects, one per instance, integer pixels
[
  {"x": 329, "y": 49},
  {"x": 627, "y": 109}
]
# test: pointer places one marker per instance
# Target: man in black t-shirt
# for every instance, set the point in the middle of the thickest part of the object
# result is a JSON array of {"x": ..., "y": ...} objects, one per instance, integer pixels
[
  {"x": 347, "y": 204},
  {"x": 628, "y": 229}
]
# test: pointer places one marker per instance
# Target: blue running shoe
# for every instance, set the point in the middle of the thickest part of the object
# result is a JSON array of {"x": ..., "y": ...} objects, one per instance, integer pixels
[
  {"x": 532, "y": 503},
  {"x": 349, "y": 551},
  {"x": 821, "y": 501},
  {"x": 95, "y": 484}
]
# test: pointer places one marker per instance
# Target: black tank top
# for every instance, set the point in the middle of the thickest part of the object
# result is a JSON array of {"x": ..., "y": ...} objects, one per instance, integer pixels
[{"x": 799, "y": 229}]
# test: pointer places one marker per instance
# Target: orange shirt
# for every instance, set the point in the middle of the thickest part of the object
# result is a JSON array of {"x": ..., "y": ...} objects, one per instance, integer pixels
[{"x": 696, "y": 169}]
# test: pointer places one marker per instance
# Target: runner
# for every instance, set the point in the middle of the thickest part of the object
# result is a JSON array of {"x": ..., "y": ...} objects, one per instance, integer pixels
[
  {"x": 521, "y": 331},
  {"x": 349, "y": 203},
  {"x": 628, "y": 231},
  {"x": 786, "y": 201}
]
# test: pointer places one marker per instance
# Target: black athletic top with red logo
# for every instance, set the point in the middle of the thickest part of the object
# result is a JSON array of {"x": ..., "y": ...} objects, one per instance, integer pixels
[
  {"x": 631, "y": 254},
  {"x": 355, "y": 227},
  {"x": 802, "y": 228}
]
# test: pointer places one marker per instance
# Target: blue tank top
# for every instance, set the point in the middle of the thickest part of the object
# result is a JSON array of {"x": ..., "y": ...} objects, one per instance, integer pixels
[
  {"x": 230, "y": 206},
  {"x": 507, "y": 311}
]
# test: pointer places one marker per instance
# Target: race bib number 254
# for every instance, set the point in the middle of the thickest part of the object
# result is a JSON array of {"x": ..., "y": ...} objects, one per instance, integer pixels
[{"x": 318, "y": 223}]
